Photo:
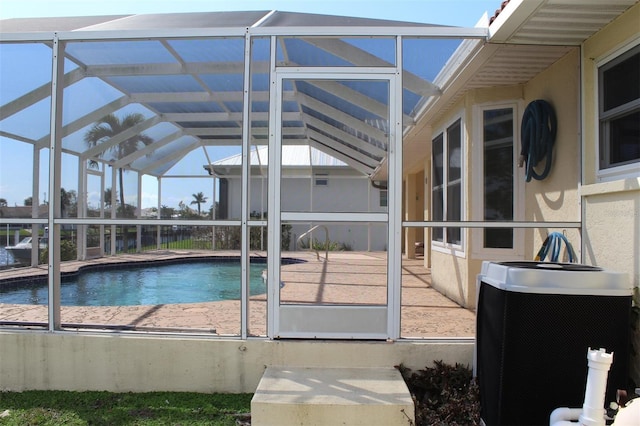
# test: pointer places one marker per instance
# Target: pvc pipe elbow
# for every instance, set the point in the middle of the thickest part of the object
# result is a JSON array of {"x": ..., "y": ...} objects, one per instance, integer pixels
[{"x": 564, "y": 416}]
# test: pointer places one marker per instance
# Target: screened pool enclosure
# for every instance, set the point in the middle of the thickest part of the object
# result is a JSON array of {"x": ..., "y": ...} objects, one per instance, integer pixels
[{"x": 200, "y": 134}]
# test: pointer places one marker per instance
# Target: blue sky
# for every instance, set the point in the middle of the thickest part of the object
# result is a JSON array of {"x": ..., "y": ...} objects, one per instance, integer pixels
[
  {"x": 463, "y": 13},
  {"x": 444, "y": 12}
]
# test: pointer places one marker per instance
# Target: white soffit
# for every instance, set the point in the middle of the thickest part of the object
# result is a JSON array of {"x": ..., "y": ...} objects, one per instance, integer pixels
[
  {"x": 516, "y": 64},
  {"x": 554, "y": 22}
]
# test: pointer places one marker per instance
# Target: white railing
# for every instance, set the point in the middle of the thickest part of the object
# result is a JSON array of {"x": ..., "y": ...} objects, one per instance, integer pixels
[{"x": 326, "y": 238}]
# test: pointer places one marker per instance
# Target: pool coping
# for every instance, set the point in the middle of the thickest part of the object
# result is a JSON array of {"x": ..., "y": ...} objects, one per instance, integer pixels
[{"x": 41, "y": 276}]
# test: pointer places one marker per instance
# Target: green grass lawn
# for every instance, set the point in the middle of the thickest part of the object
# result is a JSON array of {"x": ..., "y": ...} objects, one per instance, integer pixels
[{"x": 106, "y": 408}]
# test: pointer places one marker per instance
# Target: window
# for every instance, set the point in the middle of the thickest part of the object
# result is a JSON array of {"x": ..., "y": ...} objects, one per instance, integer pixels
[
  {"x": 496, "y": 186},
  {"x": 497, "y": 179},
  {"x": 619, "y": 110},
  {"x": 447, "y": 183},
  {"x": 321, "y": 179},
  {"x": 383, "y": 198}
]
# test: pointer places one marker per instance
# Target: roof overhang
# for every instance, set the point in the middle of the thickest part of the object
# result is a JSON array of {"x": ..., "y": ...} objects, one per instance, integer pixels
[
  {"x": 554, "y": 22},
  {"x": 526, "y": 37}
]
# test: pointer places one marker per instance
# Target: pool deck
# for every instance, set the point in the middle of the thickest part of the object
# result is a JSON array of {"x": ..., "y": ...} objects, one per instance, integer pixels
[{"x": 346, "y": 278}]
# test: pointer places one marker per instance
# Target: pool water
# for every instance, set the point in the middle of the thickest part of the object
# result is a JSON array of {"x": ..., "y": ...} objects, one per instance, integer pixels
[{"x": 149, "y": 285}]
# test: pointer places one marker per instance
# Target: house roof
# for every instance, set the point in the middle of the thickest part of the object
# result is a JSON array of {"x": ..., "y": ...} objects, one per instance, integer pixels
[{"x": 17, "y": 212}]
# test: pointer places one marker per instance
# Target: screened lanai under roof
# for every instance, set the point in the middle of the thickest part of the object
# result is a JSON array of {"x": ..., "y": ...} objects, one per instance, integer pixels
[
  {"x": 184, "y": 76},
  {"x": 84, "y": 99}
]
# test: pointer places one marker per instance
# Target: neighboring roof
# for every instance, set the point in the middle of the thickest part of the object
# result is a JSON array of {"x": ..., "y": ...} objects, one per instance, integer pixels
[
  {"x": 18, "y": 212},
  {"x": 291, "y": 156},
  {"x": 497, "y": 12}
]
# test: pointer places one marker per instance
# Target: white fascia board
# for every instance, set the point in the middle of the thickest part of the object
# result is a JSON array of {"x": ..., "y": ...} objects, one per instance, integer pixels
[
  {"x": 43, "y": 37},
  {"x": 409, "y": 31},
  {"x": 510, "y": 19}
]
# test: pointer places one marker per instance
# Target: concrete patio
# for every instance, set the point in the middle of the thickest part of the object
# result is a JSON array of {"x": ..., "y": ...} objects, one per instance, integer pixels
[{"x": 347, "y": 278}]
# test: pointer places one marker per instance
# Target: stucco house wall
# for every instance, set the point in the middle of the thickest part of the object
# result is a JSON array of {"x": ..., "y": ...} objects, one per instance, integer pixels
[
  {"x": 611, "y": 204},
  {"x": 553, "y": 199},
  {"x": 556, "y": 197},
  {"x": 608, "y": 206}
]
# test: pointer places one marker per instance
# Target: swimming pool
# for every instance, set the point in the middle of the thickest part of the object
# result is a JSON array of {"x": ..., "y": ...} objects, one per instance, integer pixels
[{"x": 151, "y": 284}]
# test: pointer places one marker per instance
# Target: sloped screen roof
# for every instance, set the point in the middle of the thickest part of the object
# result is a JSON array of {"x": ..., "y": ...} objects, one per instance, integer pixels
[{"x": 188, "y": 92}]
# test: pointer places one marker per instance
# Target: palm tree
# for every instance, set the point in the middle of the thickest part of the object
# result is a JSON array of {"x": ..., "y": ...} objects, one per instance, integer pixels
[
  {"x": 68, "y": 199},
  {"x": 107, "y": 197},
  {"x": 110, "y": 126},
  {"x": 199, "y": 198}
]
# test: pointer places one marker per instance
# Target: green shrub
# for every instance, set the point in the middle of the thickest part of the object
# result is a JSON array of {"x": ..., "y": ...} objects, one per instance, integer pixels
[{"x": 68, "y": 251}]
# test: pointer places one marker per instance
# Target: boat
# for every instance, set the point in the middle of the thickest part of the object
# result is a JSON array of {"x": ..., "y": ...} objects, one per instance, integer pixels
[{"x": 21, "y": 252}]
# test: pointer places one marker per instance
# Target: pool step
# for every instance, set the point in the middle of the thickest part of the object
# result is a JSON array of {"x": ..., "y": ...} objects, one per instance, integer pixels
[{"x": 332, "y": 396}]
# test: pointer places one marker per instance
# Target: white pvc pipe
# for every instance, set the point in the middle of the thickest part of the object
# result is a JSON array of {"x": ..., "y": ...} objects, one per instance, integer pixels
[
  {"x": 592, "y": 411},
  {"x": 593, "y": 408},
  {"x": 565, "y": 416}
]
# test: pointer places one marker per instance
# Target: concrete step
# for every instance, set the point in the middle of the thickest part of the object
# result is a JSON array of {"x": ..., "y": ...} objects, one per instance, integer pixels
[{"x": 332, "y": 396}]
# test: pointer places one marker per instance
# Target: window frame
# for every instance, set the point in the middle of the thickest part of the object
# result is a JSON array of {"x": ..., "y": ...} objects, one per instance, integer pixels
[
  {"x": 613, "y": 172},
  {"x": 478, "y": 251},
  {"x": 445, "y": 246}
]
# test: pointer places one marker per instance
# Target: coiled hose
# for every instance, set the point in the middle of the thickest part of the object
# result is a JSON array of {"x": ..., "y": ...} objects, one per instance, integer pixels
[
  {"x": 552, "y": 246},
  {"x": 538, "y": 134}
]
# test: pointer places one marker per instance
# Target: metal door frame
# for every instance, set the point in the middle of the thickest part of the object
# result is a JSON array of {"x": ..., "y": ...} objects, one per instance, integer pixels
[{"x": 388, "y": 316}]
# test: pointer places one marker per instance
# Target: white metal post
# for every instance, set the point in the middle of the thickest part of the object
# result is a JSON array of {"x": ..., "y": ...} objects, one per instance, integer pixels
[
  {"x": 101, "y": 239},
  {"x": 82, "y": 207},
  {"x": 159, "y": 215},
  {"x": 213, "y": 216},
  {"x": 394, "y": 197},
  {"x": 35, "y": 207},
  {"x": 55, "y": 156},
  {"x": 273, "y": 201},
  {"x": 113, "y": 211},
  {"x": 245, "y": 263},
  {"x": 139, "y": 215}
]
